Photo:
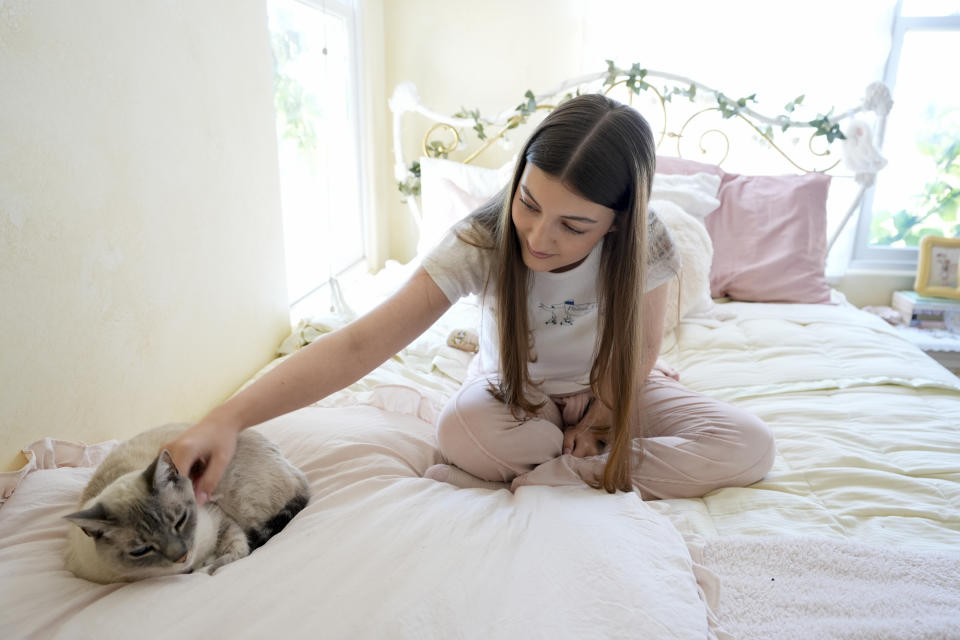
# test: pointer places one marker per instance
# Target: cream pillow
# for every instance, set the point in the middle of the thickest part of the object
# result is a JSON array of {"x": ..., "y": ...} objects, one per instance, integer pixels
[
  {"x": 689, "y": 293},
  {"x": 682, "y": 202}
]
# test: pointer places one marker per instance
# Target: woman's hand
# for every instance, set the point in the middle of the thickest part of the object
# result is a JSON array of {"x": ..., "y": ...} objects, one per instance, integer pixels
[
  {"x": 589, "y": 436},
  {"x": 203, "y": 452},
  {"x": 666, "y": 370}
]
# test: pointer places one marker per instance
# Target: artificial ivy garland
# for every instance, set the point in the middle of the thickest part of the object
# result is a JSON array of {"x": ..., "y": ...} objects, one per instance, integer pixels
[{"x": 635, "y": 80}]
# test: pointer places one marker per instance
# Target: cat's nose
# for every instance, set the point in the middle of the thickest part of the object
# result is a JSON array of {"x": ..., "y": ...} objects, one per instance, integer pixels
[{"x": 176, "y": 552}]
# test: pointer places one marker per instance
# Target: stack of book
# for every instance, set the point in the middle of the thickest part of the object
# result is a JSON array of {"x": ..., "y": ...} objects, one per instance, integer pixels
[{"x": 927, "y": 313}]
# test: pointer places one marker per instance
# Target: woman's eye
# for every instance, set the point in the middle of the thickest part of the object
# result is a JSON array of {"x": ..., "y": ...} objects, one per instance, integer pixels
[
  {"x": 572, "y": 230},
  {"x": 183, "y": 519},
  {"x": 525, "y": 204},
  {"x": 601, "y": 445},
  {"x": 141, "y": 551}
]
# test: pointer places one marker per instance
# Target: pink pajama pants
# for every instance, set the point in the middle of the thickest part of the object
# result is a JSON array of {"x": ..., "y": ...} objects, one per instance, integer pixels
[{"x": 691, "y": 443}]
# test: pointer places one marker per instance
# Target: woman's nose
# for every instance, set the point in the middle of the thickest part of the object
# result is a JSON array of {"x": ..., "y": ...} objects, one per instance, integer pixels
[{"x": 539, "y": 237}]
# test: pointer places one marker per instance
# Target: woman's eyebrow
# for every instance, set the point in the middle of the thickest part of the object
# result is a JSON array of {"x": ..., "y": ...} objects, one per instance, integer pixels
[{"x": 527, "y": 193}]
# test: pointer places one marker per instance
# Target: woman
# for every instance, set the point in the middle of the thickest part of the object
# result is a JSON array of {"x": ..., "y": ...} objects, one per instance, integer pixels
[{"x": 573, "y": 272}]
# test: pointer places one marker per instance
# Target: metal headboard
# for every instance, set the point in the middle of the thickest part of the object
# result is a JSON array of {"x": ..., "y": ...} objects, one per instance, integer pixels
[{"x": 696, "y": 103}]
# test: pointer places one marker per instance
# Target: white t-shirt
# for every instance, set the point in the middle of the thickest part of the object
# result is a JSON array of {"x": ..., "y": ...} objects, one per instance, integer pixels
[{"x": 562, "y": 307}]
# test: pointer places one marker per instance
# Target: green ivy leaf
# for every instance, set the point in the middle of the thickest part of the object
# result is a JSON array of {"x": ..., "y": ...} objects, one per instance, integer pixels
[
  {"x": 948, "y": 210},
  {"x": 528, "y": 107},
  {"x": 903, "y": 221},
  {"x": 945, "y": 162},
  {"x": 635, "y": 78},
  {"x": 612, "y": 73},
  {"x": 792, "y": 105}
]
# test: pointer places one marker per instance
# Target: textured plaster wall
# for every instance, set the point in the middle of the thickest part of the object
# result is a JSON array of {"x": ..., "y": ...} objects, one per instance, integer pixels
[{"x": 141, "y": 258}]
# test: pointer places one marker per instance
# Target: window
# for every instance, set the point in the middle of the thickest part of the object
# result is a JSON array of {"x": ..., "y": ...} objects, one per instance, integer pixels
[
  {"x": 918, "y": 192},
  {"x": 315, "y": 57}
]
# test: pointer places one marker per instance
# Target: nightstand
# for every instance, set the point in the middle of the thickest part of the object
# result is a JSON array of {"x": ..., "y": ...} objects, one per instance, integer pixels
[{"x": 940, "y": 344}]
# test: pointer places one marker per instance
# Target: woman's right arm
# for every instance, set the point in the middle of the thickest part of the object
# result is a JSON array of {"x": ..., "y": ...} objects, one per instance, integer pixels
[{"x": 329, "y": 364}]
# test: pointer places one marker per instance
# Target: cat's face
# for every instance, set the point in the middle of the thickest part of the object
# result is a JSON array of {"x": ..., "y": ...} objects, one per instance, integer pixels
[{"x": 143, "y": 523}]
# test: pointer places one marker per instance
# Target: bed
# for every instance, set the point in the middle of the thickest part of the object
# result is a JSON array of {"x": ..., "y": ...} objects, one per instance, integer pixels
[{"x": 855, "y": 533}]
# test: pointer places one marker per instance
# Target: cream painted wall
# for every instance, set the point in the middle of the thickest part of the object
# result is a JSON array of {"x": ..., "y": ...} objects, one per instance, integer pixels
[
  {"x": 141, "y": 264},
  {"x": 488, "y": 52}
]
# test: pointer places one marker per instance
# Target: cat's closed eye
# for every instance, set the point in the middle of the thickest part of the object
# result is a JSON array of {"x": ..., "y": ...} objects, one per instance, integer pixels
[
  {"x": 139, "y": 552},
  {"x": 181, "y": 520}
]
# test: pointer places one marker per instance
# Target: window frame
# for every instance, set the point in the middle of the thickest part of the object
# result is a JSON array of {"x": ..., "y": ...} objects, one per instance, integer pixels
[{"x": 865, "y": 256}]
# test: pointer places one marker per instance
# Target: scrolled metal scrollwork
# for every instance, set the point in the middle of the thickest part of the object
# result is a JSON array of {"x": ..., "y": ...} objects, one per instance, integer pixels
[
  {"x": 436, "y": 149},
  {"x": 663, "y": 105}
]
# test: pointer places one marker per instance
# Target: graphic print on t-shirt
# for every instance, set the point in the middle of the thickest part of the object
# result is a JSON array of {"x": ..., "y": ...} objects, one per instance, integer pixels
[{"x": 564, "y": 312}]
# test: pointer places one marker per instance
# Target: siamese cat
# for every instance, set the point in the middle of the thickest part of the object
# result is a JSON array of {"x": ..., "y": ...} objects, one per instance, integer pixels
[{"x": 139, "y": 518}]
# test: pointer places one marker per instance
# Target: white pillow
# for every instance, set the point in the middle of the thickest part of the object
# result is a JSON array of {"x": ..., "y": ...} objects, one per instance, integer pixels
[
  {"x": 696, "y": 193},
  {"x": 449, "y": 191}
]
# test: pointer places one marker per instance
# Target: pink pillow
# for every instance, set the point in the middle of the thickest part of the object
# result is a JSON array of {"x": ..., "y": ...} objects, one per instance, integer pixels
[
  {"x": 769, "y": 235},
  {"x": 669, "y": 164},
  {"x": 770, "y": 239}
]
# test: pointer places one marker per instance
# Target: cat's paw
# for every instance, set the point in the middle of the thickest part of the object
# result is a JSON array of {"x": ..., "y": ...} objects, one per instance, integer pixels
[{"x": 216, "y": 564}]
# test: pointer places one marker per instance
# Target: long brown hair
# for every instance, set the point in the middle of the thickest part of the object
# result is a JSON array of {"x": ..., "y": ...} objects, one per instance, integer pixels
[{"x": 604, "y": 151}]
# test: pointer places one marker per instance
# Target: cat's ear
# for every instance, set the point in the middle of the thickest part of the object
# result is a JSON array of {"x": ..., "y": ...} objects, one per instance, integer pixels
[
  {"x": 161, "y": 471},
  {"x": 94, "y": 521}
]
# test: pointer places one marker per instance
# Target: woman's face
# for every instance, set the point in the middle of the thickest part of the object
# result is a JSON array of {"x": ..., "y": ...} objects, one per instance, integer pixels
[{"x": 557, "y": 228}]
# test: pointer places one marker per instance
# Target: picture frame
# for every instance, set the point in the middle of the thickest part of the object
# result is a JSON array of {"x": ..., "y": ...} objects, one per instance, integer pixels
[{"x": 938, "y": 267}]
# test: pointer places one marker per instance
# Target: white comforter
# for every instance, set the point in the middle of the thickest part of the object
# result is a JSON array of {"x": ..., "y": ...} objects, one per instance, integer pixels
[
  {"x": 867, "y": 426},
  {"x": 379, "y": 552}
]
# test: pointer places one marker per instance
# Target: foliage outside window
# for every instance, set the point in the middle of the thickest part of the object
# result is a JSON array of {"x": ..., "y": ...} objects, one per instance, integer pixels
[
  {"x": 933, "y": 209},
  {"x": 918, "y": 193}
]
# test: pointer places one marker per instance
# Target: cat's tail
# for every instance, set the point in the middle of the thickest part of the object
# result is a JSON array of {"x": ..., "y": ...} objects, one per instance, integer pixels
[{"x": 256, "y": 536}]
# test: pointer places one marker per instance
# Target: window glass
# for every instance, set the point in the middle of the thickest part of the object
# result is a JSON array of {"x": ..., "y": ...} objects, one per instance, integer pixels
[
  {"x": 918, "y": 192},
  {"x": 930, "y": 8},
  {"x": 318, "y": 143}
]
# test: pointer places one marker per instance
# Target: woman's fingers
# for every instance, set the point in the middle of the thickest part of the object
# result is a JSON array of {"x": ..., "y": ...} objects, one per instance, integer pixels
[
  {"x": 209, "y": 478},
  {"x": 666, "y": 370},
  {"x": 202, "y": 453}
]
